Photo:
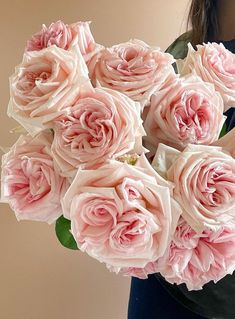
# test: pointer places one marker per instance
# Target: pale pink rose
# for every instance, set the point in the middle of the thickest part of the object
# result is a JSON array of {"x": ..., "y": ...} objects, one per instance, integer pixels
[
  {"x": 65, "y": 37},
  {"x": 57, "y": 33},
  {"x": 133, "y": 68},
  {"x": 31, "y": 183},
  {"x": 195, "y": 259},
  {"x": 120, "y": 214},
  {"x": 227, "y": 142},
  {"x": 187, "y": 111},
  {"x": 214, "y": 64},
  {"x": 101, "y": 125},
  {"x": 204, "y": 179},
  {"x": 43, "y": 85}
]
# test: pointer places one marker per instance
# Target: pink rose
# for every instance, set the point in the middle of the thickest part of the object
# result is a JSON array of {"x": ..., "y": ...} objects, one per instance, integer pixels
[
  {"x": 204, "y": 179},
  {"x": 186, "y": 111},
  {"x": 133, "y": 68},
  {"x": 195, "y": 259},
  {"x": 43, "y": 85},
  {"x": 120, "y": 214},
  {"x": 101, "y": 125},
  {"x": 57, "y": 33},
  {"x": 65, "y": 36},
  {"x": 30, "y": 182},
  {"x": 214, "y": 64}
]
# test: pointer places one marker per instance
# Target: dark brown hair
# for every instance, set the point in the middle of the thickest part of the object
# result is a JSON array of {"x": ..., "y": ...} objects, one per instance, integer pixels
[{"x": 203, "y": 19}]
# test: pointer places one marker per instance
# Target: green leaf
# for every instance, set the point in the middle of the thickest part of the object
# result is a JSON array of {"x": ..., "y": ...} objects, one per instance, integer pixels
[
  {"x": 62, "y": 229},
  {"x": 223, "y": 131}
]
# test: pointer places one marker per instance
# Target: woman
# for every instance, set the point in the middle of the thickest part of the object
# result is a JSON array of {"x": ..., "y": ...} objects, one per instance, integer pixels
[{"x": 154, "y": 298}]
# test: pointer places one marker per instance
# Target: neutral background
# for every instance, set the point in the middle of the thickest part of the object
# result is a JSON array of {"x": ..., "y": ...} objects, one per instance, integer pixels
[{"x": 39, "y": 279}]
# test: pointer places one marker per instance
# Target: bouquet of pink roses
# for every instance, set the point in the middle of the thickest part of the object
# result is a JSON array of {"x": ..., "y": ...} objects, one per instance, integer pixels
[{"x": 92, "y": 116}]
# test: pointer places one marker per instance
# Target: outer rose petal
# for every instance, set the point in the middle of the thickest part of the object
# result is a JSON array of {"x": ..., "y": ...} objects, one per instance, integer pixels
[
  {"x": 85, "y": 39},
  {"x": 227, "y": 142},
  {"x": 141, "y": 273}
]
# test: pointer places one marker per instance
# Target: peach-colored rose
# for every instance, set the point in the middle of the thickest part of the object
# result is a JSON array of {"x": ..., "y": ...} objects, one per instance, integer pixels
[
  {"x": 101, "y": 125},
  {"x": 65, "y": 36},
  {"x": 204, "y": 179},
  {"x": 120, "y": 214},
  {"x": 133, "y": 68},
  {"x": 186, "y": 111},
  {"x": 44, "y": 84},
  {"x": 30, "y": 182},
  {"x": 214, "y": 64},
  {"x": 195, "y": 259}
]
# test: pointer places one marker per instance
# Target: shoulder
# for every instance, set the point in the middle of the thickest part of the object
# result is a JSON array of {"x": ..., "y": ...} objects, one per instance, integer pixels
[{"x": 179, "y": 47}]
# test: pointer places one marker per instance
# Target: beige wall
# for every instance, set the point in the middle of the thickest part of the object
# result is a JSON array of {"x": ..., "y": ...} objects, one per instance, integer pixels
[{"x": 39, "y": 279}]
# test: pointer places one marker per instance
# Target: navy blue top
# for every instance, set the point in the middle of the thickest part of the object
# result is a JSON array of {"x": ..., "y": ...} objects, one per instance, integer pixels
[{"x": 214, "y": 300}]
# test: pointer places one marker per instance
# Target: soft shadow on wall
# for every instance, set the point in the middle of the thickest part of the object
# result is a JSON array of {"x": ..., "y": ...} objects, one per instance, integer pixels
[{"x": 39, "y": 278}]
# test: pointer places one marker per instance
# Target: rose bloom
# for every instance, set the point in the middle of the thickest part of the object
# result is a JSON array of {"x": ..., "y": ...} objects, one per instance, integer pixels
[
  {"x": 31, "y": 183},
  {"x": 121, "y": 214},
  {"x": 214, "y": 64},
  {"x": 204, "y": 179},
  {"x": 195, "y": 259},
  {"x": 133, "y": 68},
  {"x": 65, "y": 37},
  {"x": 187, "y": 111},
  {"x": 45, "y": 83},
  {"x": 101, "y": 125}
]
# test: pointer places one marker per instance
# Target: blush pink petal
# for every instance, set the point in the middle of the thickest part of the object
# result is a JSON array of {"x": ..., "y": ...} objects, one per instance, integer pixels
[
  {"x": 141, "y": 273},
  {"x": 227, "y": 142},
  {"x": 86, "y": 42}
]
